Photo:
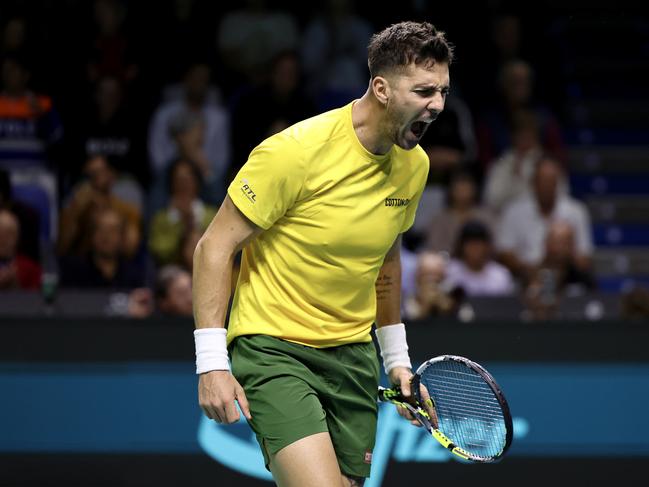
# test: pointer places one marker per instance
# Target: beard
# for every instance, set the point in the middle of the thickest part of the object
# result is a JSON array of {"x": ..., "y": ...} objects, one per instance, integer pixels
[{"x": 404, "y": 130}]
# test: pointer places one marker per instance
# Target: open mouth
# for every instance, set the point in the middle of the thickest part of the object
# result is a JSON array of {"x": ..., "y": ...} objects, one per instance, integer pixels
[{"x": 418, "y": 128}]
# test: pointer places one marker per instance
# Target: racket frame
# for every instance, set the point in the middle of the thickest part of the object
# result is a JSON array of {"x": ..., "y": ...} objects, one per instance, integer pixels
[{"x": 394, "y": 396}]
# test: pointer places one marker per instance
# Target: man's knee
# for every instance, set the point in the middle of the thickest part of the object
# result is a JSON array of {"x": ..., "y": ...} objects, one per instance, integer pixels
[{"x": 352, "y": 481}]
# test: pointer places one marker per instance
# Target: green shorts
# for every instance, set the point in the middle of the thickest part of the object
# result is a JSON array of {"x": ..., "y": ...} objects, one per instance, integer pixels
[{"x": 296, "y": 391}]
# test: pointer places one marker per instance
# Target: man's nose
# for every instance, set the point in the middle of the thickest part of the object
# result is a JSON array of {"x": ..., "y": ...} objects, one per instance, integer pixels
[{"x": 437, "y": 102}]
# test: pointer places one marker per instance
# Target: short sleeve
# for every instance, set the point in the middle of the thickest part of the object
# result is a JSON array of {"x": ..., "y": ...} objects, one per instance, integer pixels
[{"x": 270, "y": 182}]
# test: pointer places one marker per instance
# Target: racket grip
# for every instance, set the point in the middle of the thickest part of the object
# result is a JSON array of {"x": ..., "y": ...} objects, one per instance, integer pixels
[{"x": 390, "y": 394}]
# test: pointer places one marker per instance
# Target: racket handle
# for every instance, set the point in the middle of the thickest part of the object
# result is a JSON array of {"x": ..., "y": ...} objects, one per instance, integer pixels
[{"x": 391, "y": 394}]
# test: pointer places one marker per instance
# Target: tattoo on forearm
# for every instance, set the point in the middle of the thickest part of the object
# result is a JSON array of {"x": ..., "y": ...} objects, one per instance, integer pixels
[{"x": 384, "y": 286}]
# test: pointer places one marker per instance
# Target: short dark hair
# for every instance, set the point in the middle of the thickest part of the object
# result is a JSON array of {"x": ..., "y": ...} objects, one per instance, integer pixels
[
  {"x": 471, "y": 231},
  {"x": 402, "y": 44},
  {"x": 182, "y": 161}
]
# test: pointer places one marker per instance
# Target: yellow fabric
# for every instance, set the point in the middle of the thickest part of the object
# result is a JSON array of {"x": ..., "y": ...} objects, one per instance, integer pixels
[{"x": 331, "y": 210}]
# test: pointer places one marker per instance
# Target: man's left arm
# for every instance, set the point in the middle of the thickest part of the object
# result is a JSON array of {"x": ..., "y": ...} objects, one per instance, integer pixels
[
  {"x": 390, "y": 331},
  {"x": 388, "y": 287}
]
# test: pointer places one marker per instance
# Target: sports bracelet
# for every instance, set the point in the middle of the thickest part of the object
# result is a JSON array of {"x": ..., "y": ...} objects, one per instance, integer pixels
[
  {"x": 394, "y": 347},
  {"x": 211, "y": 350}
]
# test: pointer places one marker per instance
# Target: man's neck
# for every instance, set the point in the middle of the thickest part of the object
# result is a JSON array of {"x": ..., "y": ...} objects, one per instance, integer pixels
[{"x": 367, "y": 120}]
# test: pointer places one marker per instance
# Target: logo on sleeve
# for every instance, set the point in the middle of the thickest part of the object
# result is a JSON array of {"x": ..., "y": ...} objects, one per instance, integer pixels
[
  {"x": 247, "y": 191},
  {"x": 397, "y": 201},
  {"x": 368, "y": 457}
]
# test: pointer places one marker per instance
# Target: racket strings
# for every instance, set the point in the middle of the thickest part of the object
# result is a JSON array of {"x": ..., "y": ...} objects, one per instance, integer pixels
[{"x": 467, "y": 408}]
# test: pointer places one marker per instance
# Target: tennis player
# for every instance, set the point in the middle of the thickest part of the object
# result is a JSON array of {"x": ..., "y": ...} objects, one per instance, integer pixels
[{"x": 319, "y": 210}]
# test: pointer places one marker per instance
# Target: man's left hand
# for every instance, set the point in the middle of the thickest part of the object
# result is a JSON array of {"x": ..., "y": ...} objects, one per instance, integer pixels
[{"x": 400, "y": 376}]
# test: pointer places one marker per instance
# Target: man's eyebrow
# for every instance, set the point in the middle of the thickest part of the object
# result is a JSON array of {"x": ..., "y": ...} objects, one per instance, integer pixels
[{"x": 431, "y": 86}]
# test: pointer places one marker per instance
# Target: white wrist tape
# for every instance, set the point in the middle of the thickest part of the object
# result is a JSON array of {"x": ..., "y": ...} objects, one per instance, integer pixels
[
  {"x": 394, "y": 347},
  {"x": 211, "y": 350}
]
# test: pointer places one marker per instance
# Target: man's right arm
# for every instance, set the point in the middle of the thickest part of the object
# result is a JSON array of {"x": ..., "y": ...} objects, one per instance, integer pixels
[{"x": 214, "y": 256}]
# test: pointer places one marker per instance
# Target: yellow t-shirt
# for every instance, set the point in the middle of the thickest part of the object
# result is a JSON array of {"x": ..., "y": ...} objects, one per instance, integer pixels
[{"x": 331, "y": 210}]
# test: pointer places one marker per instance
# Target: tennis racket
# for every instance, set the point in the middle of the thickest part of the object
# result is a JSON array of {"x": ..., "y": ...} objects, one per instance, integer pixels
[{"x": 466, "y": 411}]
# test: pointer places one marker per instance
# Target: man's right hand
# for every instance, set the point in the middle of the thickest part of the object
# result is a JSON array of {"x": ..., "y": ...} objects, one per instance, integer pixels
[{"x": 217, "y": 391}]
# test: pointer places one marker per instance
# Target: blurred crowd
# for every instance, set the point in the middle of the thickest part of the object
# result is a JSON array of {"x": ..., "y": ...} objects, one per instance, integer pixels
[{"x": 118, "y": 142}]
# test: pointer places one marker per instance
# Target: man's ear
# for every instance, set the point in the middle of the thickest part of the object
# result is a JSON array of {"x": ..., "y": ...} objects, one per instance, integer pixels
[{"x": 381, "y": 89}]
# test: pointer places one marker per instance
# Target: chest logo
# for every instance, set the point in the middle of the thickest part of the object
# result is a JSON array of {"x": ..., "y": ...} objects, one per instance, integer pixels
[{"x": 397, "y": 201}]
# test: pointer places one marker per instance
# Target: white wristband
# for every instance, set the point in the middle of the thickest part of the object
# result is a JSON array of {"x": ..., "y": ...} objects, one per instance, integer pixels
[
  {"x": 394, "y": 347},
  {"x": 211, "y": 350}
]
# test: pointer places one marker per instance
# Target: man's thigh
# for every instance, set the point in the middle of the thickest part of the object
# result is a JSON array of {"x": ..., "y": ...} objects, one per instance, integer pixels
[
  {"x": 283, "y": 403},
  {"x": 295, "y": 392},
  {"x": 308, "y": 462}
]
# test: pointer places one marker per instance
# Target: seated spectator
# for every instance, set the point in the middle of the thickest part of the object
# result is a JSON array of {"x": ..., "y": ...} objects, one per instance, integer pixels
[
  {"x": 105, "y": 265},
  {"x": 472, "y": 269},
  {"x": 173, "y": 291},
  {"x": 30, "y": 136},
  {"x": 450, "y": 142},
  {"x": 184, "y": 220},
  {"x": 29, "y": 124},
  {"x": 525, "y": 223},
  {"x": 28, "y": 219},
  {"x": 430, "y": 297},
  {"x": 562, "y": 260},
  {"x": 558, "y": 275},
  {"x": 516, "y": 92},
  {"x": 635, "y": 303},
  {"x": 111, "y": 52},
  {"x": 112, "y": 129},
  {"x": 213, "y": 133},
  {"x": 17, "y": 271},
  {"x": 284, "y": 104},
  {"x": 462, "y": 206},
  {"x": 334, "y": 53},
  {"x": 509, "y": 177},
  {"x": 89, "y": 197},
  {"x": 249, "y": 37}
]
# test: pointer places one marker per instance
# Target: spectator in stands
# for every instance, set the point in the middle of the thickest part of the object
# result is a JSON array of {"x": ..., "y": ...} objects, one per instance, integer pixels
[
  {"x": 14, "y": 37},
  {"x": 516, "y": 93},
  {"x": 462, "y": 206},
  {"x": 173, "y": 291},
  {"x": 213, "y": 134},
  {"x": 334, "y": 54},
  {"x": 89, "y": 197},
  {"x": 251, "y": 36},
  {"x": 29, "y": 124},
  {"x": 30, "y": 135},
  {"x": 112, "y": 52},
  {"x": 635, "y": 303},
  {"x": 509, "y": 177},
  {"x": 28, "y": 219},
  {"x": 562, "y": 259},
  {"x": 17, "y": 271},
  {"x": 430, "y": 298},
  {"x": 450, "y": 142},
  {"x": 525, "y": 223},
  {"x": 111, "y": 130},
  {"x": 175, "y": 229},
  {"x": 105, "y": 265},
  {"x": 473, "y": 269},
  {"x": 284, "y": 103}
]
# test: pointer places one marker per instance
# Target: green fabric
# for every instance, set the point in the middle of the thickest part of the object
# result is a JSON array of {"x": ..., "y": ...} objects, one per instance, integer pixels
[{"x": 296, "y": 391}]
